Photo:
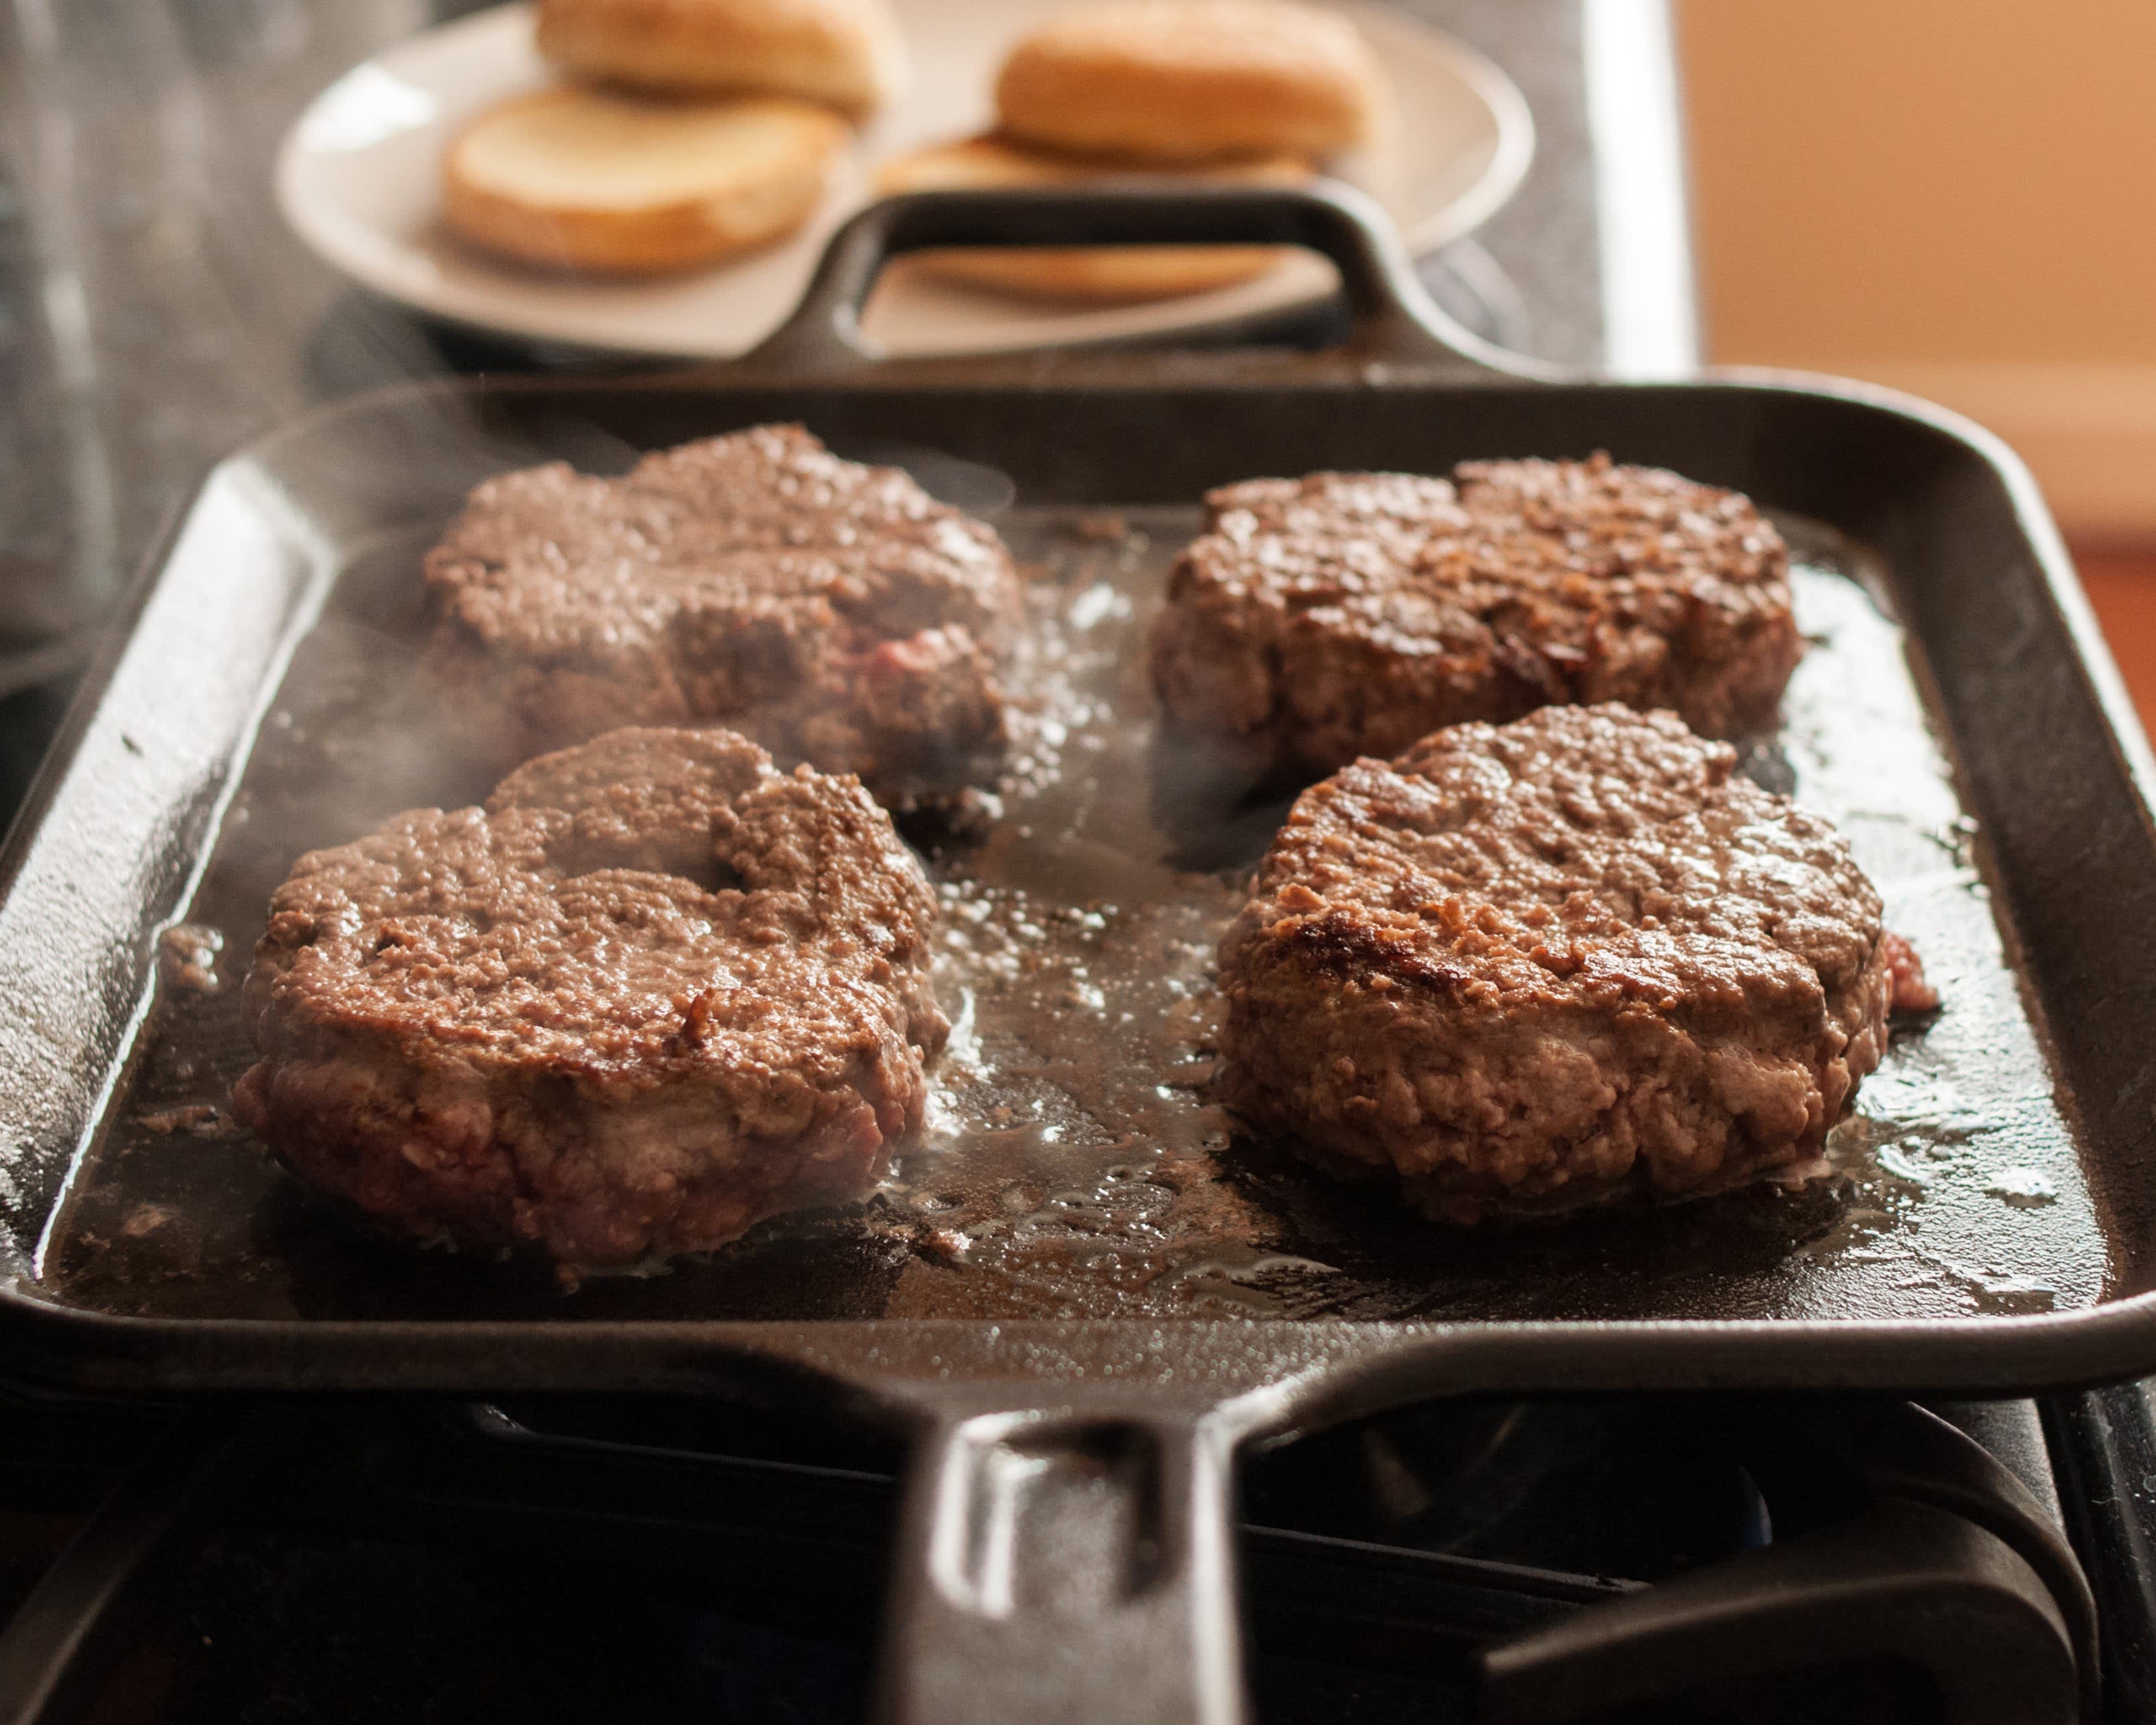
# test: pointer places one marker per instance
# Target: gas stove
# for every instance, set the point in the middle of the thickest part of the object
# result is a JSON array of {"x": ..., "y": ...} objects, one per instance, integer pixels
[
  {"x": 295, "y": 1562},
  {"x": 1766, "y": 1560},
  {"x": 1618, "y": 1560}
]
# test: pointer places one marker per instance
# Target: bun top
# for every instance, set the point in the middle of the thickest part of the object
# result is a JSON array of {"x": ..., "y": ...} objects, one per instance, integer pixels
[
  {"x": 1184, "y": 80},
  {"x": 846, "y": 53}
]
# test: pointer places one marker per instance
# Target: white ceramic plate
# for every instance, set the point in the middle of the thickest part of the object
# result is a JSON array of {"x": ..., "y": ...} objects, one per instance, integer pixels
[{"x": 357, "y": 179}]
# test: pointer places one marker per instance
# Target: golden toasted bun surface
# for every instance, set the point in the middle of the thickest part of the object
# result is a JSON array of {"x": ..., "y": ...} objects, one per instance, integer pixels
[
  {"x": 847, "y": 52},
  {"x": 1113, "y": 273},
  {"x": 1181, "y": 80},
  {"x": 584, "y": 180}
]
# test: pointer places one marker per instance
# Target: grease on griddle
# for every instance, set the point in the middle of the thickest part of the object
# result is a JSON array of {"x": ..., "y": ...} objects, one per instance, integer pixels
[
  {"x": 201, "y": 1119},
  {"x": 187, "y": 957},
  {"x": 1072, "y": 1163}
]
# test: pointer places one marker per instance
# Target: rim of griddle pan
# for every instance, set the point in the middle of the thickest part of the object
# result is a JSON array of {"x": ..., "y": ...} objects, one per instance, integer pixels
[
  {"x": 1330, "y": 1368},
  {"x": 1336, "y": 1366}
]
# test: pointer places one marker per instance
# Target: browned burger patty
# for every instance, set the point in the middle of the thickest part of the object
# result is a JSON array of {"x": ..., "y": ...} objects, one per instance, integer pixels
[
  {"x": 835, "y": 613},
  {"x": 652, "y": 992},
  {"x": 1342, "y": 615},
  {"x": 1542, "y": 963}
]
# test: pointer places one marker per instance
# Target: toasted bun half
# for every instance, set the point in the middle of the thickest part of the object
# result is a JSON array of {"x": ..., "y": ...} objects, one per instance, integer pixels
[
  {"x": 1105, "y": 273},
  {"x": 586, "y": 180},
  {"x": 1183, "y": 80},
  {"x": 846, "y": 53}
]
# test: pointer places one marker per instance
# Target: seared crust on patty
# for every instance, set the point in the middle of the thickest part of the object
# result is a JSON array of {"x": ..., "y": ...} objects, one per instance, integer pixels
[
  {"x": 1344, "y": 615},
  {"x": 652, "y": 992},
  {"x": 1544, "y": 963},
  {"x": 835, "y": 613}
]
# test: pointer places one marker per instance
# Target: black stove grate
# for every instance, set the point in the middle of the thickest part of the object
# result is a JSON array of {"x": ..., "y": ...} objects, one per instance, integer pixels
[{"x": 667, "y": 1560}]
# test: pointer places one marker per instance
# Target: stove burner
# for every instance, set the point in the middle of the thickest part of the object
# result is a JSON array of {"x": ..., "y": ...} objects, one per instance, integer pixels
[{"x": 1619, "y": 1560}]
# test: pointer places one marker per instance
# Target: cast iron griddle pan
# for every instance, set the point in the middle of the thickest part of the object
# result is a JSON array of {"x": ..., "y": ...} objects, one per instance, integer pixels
[{"x": 1080, "y": 1286}]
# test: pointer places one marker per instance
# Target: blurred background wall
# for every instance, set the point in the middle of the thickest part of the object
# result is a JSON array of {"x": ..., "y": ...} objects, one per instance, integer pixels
[{"x": 1957, "y": 196}]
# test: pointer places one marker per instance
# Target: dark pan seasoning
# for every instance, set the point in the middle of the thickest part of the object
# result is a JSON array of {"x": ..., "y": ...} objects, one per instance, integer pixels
[{"x": 1073, "y": 1164}]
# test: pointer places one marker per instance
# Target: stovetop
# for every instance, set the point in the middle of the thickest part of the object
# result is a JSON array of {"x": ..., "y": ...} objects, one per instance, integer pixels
[
  {"x": 351, "y": 1563},
  {"x": 1762, "y": 1559}
]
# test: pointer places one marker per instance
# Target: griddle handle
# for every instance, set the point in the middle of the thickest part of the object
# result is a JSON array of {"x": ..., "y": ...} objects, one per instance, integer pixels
[
  {"x": 1060, "y": 1571},
  {"x": 1395, "y": 322}
]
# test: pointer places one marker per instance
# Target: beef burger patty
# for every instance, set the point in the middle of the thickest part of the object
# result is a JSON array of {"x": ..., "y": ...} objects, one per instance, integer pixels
[
  {"x": 1344, "y": 615},
  {"x": 1542, "y": 963},
  {"x": 835, "y": 613},
  {"x": 652, "y": 992}
]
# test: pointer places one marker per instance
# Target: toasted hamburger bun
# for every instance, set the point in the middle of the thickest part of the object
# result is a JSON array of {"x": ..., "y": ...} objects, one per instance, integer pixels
[
  {"x": 1186, "y": 81},
  {"x": 582, "y": 180},
  {"x": 846, "y": 53},
  {"x": 1107, "y": 273}
]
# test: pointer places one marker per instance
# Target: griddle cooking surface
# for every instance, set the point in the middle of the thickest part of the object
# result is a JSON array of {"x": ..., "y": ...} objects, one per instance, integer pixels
[{"x": 1072, "y": 1165}]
